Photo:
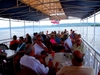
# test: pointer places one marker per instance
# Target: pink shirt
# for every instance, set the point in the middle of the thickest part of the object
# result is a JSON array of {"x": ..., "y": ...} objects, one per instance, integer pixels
[{"x": 52, "y": 41}]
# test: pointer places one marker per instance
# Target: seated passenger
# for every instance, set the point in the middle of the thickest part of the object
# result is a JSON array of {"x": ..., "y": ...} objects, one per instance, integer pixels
[
  {"x": 30, "y": 61},
  {"x": 68, "y": 44},
  {"x": 28, "y": 39},
  {"x": 21, "y": 45},
  {"x": 76, "y": 68},
  {"x": 20, "y": 52},
  {"x": 39, "y": 46},
  {"x": 34, "y": 37},
  {"x": 78, "y": 46},
  {"x": 79, "y": 37},
  {"x": 52, "y": 40},
  {"x": 58, "y": 39},
  {"x": 14, "y": 43},
  {"x": 41, "y": 58}
]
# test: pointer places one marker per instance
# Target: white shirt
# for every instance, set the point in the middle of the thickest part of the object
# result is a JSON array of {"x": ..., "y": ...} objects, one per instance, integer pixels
[
  {"x": 38, "y": 49},
  {"x": 69, "y": 42},
  {"x": 34, "y": 64},
  {"x": 75, "y": 70}
]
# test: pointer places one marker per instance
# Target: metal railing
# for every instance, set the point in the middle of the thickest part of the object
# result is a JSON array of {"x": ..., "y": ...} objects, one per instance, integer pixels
[
  {"x": 6, "y": 41},
  {"x": 92, "y": 56}
]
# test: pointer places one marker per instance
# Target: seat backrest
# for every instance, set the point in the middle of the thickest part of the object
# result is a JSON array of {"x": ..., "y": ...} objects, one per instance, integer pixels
[{"x": 28, "y": 71}]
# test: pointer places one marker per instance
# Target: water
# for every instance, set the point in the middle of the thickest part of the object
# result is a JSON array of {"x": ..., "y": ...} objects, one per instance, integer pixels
[{"x": 5, "y": 33}]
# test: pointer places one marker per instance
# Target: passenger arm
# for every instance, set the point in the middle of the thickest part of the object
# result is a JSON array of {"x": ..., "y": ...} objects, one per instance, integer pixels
[{"x": 67, "y": 46}]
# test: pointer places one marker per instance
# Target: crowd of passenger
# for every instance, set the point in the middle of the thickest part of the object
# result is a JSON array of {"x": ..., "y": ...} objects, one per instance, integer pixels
[{"x": 31, "y": 52}]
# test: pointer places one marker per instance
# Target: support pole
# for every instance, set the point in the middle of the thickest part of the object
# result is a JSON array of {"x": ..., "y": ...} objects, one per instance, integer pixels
[
  {"x": 94, "y": 29},
  {"x": 87, "y": 30},
  {"x": 10, "y": 26},
  {"x": 80, "y": 27},
  {"x": 59, "y": 27},
  {"x": 39, "y": 27},
  {"x": 24, "y": 28},
  {"x": 33, "y": 26},
  {"x": 83, "y": 28}
]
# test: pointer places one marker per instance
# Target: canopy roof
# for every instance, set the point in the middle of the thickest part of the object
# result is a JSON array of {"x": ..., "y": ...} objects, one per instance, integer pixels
[{"x": 35, "y": 10}]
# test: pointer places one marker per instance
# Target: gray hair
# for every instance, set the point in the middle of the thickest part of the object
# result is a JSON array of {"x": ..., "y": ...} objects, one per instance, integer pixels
[{"x": 28, "y": 49}]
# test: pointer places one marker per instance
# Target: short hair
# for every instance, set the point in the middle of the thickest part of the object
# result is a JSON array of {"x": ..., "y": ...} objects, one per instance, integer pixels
[
  {"x": 44, "y": 53},
  {"x": 14, "y": 37},
  {"x": 78, "y": 56},
  {"x": 79, "y": 35},
  {"x": 21, "y": 38},
  {"x": 38, "y": 36},
  {"x": 71, "y": 30},
  {"x": 28, "y": 49},
  {"x": 65, "y": 36}
]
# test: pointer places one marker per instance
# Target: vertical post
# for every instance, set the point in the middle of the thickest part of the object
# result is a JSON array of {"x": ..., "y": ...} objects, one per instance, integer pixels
[
  {"x": 83, "y": 28},
  {"x": 94, "y": 29},
  {"x": 80, "y": 27},
  {"x": 94, "y": 61},
  {"x": 24, "y": 28},
  {"x": 59, "y": 26},
  {"x": 10, "y": 26},
  {"x": 87, "y": 29},
  {"x": 33, "y": 26},
  {"x": 39, "y": 27},
  {"x": 82, "y": 32}
]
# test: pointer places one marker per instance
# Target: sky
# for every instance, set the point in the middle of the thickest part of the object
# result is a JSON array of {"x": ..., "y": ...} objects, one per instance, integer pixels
[
  {"x": 5, "y": 23},
  {"x": 17, "y": 23}
]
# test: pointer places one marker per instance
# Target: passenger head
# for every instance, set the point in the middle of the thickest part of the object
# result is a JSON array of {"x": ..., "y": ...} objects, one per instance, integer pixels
[
  {"x": 44, "y": 54},
  {"x": 75, "y": 36},
  {"x": 21, "y": 39},
  {"x": 14, "y": 37},
  {"x": 71, "y": 31},
  {"x": 35, "y": 34},
  {"x": 78, "y": 42},
  {"x": 79, "y": 35},
  {"x": 29, "y": 50},
  {"x": 58, "y": 35},
  {"x": 39, "y": 39},
  {"x": 27, "y": 34},
  {"x": 65, "y": 36},
  {"x": 47, "y": 32},
  {"x": 52, "y": 36},
  {"x": 77, "y": 58}
]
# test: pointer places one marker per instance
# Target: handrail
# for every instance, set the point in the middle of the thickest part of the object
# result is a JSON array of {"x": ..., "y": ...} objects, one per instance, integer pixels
[
  {"x": 96, "y": 50},
  {"x": 5, "y": 39},
  {"x": 92, "y": 56}
]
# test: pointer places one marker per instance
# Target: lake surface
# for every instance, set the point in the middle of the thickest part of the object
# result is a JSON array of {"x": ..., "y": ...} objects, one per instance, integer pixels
[{"x": 86, "y": 32}]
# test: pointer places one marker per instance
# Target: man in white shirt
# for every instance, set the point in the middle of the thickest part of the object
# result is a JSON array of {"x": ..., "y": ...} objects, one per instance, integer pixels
[
  {"x": 39, "y": 46},
  {"x": 68, "y": 44},
  {"x": 30, "y": 61},
  {"x": 76, "y": 68}
]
